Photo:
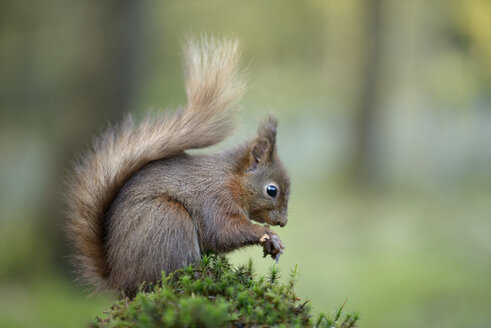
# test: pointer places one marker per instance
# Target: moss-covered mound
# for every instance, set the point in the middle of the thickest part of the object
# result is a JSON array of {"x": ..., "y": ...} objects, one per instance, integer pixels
[{"x": 216, "y": 294}]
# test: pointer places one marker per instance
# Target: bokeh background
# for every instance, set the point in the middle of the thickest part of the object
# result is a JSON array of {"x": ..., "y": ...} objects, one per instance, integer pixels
[{"x": 385, "y": 126}]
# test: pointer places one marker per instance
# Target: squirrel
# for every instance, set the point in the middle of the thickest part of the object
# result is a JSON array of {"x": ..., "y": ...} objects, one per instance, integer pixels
[{"x": 139, "y": 204}]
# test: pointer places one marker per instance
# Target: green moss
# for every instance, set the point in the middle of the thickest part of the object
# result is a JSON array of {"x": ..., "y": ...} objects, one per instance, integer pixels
[{"x": 216, "y": 294}]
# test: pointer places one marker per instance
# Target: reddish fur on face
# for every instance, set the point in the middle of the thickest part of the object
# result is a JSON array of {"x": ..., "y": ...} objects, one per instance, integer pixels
[{"x": 237, "y": 190}]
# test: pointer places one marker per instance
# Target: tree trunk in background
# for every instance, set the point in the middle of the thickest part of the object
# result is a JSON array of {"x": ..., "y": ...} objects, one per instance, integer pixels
[
  {"x": 121, "y": 25},
  {"x": 369, "y": 91},
  {"x": 107, "y": 82},
  {"x": 105, "y": 74}
]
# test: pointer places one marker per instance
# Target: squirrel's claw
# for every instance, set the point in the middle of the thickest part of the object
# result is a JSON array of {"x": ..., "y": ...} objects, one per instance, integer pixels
[{"x": 272, "y": 245}]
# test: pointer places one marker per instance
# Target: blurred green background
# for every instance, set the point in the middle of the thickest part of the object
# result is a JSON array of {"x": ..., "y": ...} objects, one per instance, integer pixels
[{"x": 385, "y": 126}]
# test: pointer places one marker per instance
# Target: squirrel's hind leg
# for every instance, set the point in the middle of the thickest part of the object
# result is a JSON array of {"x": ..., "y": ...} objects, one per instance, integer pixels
[
  {"x": 162, "y": 237},
  {"x": 172, "y": 238}
]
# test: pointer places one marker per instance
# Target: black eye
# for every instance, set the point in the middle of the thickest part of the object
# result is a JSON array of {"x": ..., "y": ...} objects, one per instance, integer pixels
[{"x": 272, "y": 190}]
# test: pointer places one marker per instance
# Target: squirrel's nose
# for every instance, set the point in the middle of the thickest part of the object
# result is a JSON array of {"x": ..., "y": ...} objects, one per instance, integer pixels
[{"x": 281, "y": 223}]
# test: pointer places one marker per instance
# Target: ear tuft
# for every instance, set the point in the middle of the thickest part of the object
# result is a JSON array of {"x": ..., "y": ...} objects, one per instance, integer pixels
[{"x": 267, "y": 129}]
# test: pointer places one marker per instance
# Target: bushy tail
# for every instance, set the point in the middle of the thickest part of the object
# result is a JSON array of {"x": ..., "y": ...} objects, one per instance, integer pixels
[{"x": 214, "y": 85}]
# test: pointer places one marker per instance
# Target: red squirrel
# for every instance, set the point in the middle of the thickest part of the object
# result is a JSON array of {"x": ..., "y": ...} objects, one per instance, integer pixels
[{"x": 139, "y": 204}]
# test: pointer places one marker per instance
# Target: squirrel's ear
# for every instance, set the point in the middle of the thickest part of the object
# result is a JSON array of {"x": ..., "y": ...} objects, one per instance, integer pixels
[
  {"x": 267, "y": 130},
  {"x": 260, "y": 150},
  {"x": 257, "y": 152}
]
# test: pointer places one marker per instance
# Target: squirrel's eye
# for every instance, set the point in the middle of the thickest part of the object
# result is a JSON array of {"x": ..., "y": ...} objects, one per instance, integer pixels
[{"x": 272, "y": 190}]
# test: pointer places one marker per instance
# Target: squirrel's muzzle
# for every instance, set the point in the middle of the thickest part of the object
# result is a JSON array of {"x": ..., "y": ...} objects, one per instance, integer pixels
[
  {"x": 281, "y": 221},
  {"x": 278, "y": 217},
  {"x": 274, "y": 217}
]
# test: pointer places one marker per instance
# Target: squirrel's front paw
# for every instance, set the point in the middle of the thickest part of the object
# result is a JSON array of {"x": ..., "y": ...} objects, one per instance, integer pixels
[{"x": 272, "y": 245}]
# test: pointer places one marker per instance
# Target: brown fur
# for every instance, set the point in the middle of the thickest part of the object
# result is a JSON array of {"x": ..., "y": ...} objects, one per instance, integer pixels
[
  {"x": 237, "y": 191},
  {"x": 138, "y": 204}
]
